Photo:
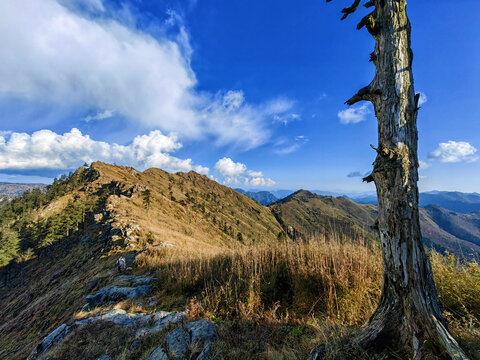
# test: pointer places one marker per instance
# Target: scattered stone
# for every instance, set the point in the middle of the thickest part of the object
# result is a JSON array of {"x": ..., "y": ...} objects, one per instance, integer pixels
[
  {"x": 143, "y": 281},
  {"x": 94, "y": 300},
  {"x": 162, "y": 320},
  {"x": 207, "y": 350},
  {"x": 317, "y": 353},
  {"x": 112, "y": 292},
  {"x": 135, "y": 344},
  {"x": 158, "y": 354},
  {"x": 93, "y": 283},
  {"x": 54, "y": 337},
  {"x": 177, "y": 343},
  {"x": 119, "y": 317},
  {"x": 201, "y": 331}
]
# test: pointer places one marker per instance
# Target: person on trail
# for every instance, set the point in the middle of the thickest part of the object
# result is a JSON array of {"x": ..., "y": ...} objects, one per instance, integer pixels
[{"x": 121, "y": 264}]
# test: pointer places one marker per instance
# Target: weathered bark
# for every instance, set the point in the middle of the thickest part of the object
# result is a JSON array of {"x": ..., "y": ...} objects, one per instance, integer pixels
[{"x": 408, "y": 318}]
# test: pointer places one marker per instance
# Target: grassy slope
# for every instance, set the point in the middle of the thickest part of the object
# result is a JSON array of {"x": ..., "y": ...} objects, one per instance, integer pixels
[
  {"x": 312, "y": 215},
  {"x": 257, "y": 288},
  {"x": 315, "y": 215},
  {"x": 51, "y": 280}
]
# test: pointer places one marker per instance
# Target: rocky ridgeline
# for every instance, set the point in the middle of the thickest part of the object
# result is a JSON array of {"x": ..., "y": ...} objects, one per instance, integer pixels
[{"x": 198, "y": 335}]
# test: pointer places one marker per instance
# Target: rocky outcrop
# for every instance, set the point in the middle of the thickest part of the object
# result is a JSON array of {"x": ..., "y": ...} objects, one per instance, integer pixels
[
  {"x": 158, "y": 354},
  {"x": 161, "y": 320},
  {"x": 119, "y": 317},
  {"x": 177, "y": 343},
  {"x": 139, "y": 285},
  {"x": 54, "y": 337}
]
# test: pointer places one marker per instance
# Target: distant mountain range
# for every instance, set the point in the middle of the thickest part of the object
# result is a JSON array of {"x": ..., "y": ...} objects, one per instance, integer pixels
[
  {"x": 309, "y": 214},
  {"x": 451, "y": 200},
  {"x": 10, "y": 190}
]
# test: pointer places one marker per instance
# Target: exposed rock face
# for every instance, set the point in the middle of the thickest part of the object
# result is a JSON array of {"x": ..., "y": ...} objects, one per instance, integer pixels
[
  {"x": 112, "y": 292},
  {"x": 54, "y": 337},
  {"x": 177, "y": 343},
  {"x": 119, "y": 317},
  {"x": 158, "y": 354},
  {"x": 161, "y": 320},
  {"x": 201, "y": 331}
]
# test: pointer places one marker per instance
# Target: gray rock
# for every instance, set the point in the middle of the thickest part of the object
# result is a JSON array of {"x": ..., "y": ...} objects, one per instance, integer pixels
[
  {"x": 317, "y": 353},
  {"x": 201, "y": 331},
  {"x": 112, "y": 292},
  {"x": 135, "y": 344},
  {"x": 177, "y": 343},
  {"x": 143, "y": 281},
  {"x": 119, "y": 317},
  {"x": 162, "y": 320},
  {"x": 54, "y": 337},
  {"x": 94, "y": 300},
  {"x": 104, "y": 357},
  {"x": 158, "y": 354},
  {"x": 93, "y": 283},
  {"x": 207, "y": 350}
]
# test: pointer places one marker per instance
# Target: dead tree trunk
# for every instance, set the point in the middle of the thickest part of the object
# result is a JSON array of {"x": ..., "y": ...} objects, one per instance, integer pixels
[{"x": 408, "y": 318}]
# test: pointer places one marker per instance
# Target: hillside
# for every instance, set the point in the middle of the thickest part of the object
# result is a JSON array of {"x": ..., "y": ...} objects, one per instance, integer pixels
[
  {"x": 310, "y": 214},
  {"x": 203, "y": 263},
  {"x": 314, "y": 215},
  {"x": 74, "y": 232}
]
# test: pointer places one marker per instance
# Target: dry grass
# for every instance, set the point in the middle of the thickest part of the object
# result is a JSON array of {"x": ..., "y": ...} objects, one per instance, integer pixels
[{"x": 293, "y": 296}]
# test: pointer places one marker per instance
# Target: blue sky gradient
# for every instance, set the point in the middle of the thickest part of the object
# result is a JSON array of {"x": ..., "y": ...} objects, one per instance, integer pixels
[{"x": 258, "y": 89}]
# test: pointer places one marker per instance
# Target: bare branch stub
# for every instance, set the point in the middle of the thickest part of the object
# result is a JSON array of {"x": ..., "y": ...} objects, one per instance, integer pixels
[{"x": 350, "y": 9}]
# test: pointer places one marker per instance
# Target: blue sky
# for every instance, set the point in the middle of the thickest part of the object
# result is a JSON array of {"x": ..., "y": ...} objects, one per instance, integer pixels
[{"x": 248, "y": 92}]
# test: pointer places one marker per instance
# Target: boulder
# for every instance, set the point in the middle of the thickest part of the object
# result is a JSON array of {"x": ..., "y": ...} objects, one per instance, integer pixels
[
  {"x": 54, "y": 337},
  {"x": 207, "y": 350},
  {"x": 94, "y": 300},
  {"x": 161, "y": 320},
  {"x": 201, "y": 331},
  {"x": 119, "y": 317},
  {"x": 158, "y": 354},
  {"x": 135, "y": 344},
  {"x": 177, "y": 343}
]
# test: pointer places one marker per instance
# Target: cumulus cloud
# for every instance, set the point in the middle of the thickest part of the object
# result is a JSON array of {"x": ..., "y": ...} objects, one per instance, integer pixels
[
  {"x": 354, "y": 115},
  {"x": 453, "y": 151},
  {"x": 46, "y": 149},
  {"x": 62, "y": 56},
  {"x": 228, "y": 168},
  {"x": 236, "y": 172}
]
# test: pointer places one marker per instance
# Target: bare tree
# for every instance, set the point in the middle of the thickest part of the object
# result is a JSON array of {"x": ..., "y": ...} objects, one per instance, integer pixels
[{"x": 408, "y": 318}]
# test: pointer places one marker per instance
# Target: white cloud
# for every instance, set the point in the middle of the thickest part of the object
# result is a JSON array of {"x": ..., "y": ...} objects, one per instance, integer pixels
[
  {"x": 236, "y": 172},
  {"x": 56, "y": 55},
  {"x": 99, "y": 116},
  {"x": 285, "y": 147},
  {"x": 422, "y": 99},
  {"x": 45, "y": 149},
  {"x": 354, "y": 115},
  {"x": 286, "y": 118},
  {"x": 228, "y": 168},
  {"x": 423, "y": 165},
  {"x": 453, "y": 151}
]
